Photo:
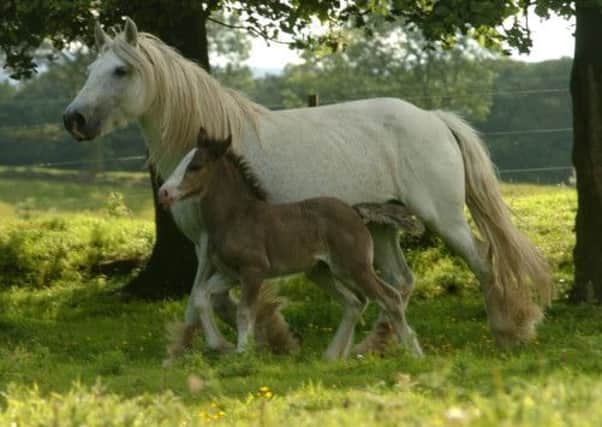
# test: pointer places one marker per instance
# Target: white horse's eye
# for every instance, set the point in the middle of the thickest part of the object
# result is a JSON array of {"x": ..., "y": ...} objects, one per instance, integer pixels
[{"x": 120, "y": 71}]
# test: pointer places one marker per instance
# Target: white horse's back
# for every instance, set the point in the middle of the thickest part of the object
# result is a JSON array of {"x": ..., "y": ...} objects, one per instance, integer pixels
[{"x": 372, "y": 150}]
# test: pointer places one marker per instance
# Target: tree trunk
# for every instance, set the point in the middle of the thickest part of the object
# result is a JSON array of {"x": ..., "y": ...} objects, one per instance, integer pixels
[
  {"x": 171, "y": 268},
  {"x": 586, "y": 91}
]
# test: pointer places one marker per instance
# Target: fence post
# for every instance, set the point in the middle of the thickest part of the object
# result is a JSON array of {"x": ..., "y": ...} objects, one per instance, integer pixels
[{"x": 313, "y": 100}]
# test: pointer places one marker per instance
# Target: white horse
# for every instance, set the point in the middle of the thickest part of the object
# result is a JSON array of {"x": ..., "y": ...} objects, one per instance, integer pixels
[{"x": 375, "y": 150}]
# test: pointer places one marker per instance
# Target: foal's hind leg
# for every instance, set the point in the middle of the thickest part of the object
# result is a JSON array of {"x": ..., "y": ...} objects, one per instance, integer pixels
[
  {"x": 390, "y": 300},
  {"x": 247, "y": 309},
  {"x": 352, "y": 309},
  {"x": 394, "y": 270}
]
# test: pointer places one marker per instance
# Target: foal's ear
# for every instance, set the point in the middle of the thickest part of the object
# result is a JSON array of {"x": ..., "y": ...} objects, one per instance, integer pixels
[
  {"x": 202, "y": 138},
  {"x": 218, "y": 148},
  {"x": 100, "y": 36},
  {"x": 131, "y": 32}
]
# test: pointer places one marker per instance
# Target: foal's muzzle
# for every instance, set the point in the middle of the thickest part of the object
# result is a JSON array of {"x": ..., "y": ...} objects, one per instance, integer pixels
[{"x": 166, "y": 198}]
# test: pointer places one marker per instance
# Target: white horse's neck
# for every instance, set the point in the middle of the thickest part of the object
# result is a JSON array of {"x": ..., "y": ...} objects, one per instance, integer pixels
[{"x": 150, "y": 124}]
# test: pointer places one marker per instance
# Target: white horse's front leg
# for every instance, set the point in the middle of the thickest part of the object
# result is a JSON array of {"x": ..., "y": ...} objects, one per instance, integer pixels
[
  {"x": 199, "y": 308},
  {"x": 192, "y": 316},
  {"x": 213, "y": 337},
  {"x": 180, "y": 335}
]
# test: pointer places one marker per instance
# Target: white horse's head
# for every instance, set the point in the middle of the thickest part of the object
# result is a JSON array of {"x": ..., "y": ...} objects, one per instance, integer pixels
[{"x": 115, "y": 92}]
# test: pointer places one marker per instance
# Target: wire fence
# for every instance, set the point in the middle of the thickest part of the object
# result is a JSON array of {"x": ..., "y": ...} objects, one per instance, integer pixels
[
  {"x": 492, "y": 137},
  {"x": 51, "y": 165}
]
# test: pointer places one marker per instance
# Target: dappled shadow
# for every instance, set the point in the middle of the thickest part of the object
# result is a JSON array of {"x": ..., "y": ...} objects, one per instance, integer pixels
[{"x": 83, "y": 333}]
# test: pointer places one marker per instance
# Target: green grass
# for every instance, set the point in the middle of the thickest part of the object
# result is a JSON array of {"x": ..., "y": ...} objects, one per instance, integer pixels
[
  {"x": 73, "y": 352},
  {"x": 21, "y": 197},
  {"x": 79, "y": 352}
]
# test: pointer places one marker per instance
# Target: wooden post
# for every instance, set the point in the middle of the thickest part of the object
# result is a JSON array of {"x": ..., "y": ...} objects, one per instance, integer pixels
[{"x": 313, "y": 100}]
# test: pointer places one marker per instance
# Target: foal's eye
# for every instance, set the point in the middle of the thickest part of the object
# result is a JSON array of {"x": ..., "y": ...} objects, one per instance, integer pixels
[
  {"x": 194, "y": 168},
  {"x": 120, "y": 71}
]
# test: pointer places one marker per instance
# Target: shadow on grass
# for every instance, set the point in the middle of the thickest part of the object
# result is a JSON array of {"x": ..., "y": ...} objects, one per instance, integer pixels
[{"x": 88, "y": 332}]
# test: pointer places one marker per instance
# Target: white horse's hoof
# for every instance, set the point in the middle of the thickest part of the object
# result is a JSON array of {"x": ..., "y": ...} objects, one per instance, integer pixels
[
  {"x": 225, "y": 347},
  {"x": 414, "y": 347},
  {"x": 330, "y": 357}
]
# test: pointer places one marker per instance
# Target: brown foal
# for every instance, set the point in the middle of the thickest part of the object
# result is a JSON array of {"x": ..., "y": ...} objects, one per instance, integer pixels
[{"x": 251, "y": 240}]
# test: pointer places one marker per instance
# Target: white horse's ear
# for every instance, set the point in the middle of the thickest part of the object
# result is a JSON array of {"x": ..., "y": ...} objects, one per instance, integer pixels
[
  {"x": 131, "y": 32},
  {"x": 100, "y": 36}
]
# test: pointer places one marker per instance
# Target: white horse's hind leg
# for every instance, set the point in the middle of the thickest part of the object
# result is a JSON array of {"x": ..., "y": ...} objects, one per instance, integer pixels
[
  {"x": 393, "y": 269},
  {"x": 389, "y": 260},
  {"x": 504, "y": 327},
  {"x": 461, "y": 240},
  {"x": 510, "y": 321}
]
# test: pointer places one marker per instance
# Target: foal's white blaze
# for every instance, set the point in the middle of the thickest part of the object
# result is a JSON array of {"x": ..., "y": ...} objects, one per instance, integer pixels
[{"x": 170, "y": 189}]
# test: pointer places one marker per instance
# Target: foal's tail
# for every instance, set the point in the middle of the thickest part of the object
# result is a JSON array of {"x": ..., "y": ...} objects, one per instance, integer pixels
[
  {"x": 520, "y": 272},
  {"x": 271, "y": 330}
]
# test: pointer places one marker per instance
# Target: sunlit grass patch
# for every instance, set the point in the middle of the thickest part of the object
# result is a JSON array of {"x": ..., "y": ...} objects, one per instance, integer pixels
[
  {"x": 35, "y": 197},
  {"x": 73, "y": 351}
]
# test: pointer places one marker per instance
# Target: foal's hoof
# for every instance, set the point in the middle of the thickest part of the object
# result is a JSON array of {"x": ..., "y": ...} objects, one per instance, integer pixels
[{"x": 381, "y": 339}]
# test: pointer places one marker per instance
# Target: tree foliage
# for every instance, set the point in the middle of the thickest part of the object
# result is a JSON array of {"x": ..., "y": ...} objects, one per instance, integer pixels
[
  {"x": 25, "y": 24},
  {"x": 395, "y": 63}
]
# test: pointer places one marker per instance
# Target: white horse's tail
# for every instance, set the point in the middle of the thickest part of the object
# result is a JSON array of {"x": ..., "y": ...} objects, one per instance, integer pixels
[{"x": 519, "y": 271}]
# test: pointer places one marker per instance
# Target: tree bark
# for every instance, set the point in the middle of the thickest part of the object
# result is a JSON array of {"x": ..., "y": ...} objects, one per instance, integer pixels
[
  {"x": 171, "y": 267},
  {"x": 586, "y": 91}
]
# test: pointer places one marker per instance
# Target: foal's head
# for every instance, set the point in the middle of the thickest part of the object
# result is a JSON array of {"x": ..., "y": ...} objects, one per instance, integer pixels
[{"x": 195, "y": 170}]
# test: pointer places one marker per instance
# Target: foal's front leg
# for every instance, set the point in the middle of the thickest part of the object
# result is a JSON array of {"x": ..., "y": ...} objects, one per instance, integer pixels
[
  {"x": 247, "y": 310},
  {"x": 352, "y": 311}
]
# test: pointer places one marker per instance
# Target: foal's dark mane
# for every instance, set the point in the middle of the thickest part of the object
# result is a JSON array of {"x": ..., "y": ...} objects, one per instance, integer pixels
[{"x": 247, "y": 174}]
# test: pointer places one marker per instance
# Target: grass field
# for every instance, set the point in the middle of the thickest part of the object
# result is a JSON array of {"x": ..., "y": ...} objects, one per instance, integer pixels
[
  {"x": 73, "y": 352},
  {"x": 56, "y": 193}
]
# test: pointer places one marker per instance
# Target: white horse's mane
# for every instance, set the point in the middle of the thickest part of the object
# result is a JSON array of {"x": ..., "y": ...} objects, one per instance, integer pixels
[{"x": 184, "y": 96}]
